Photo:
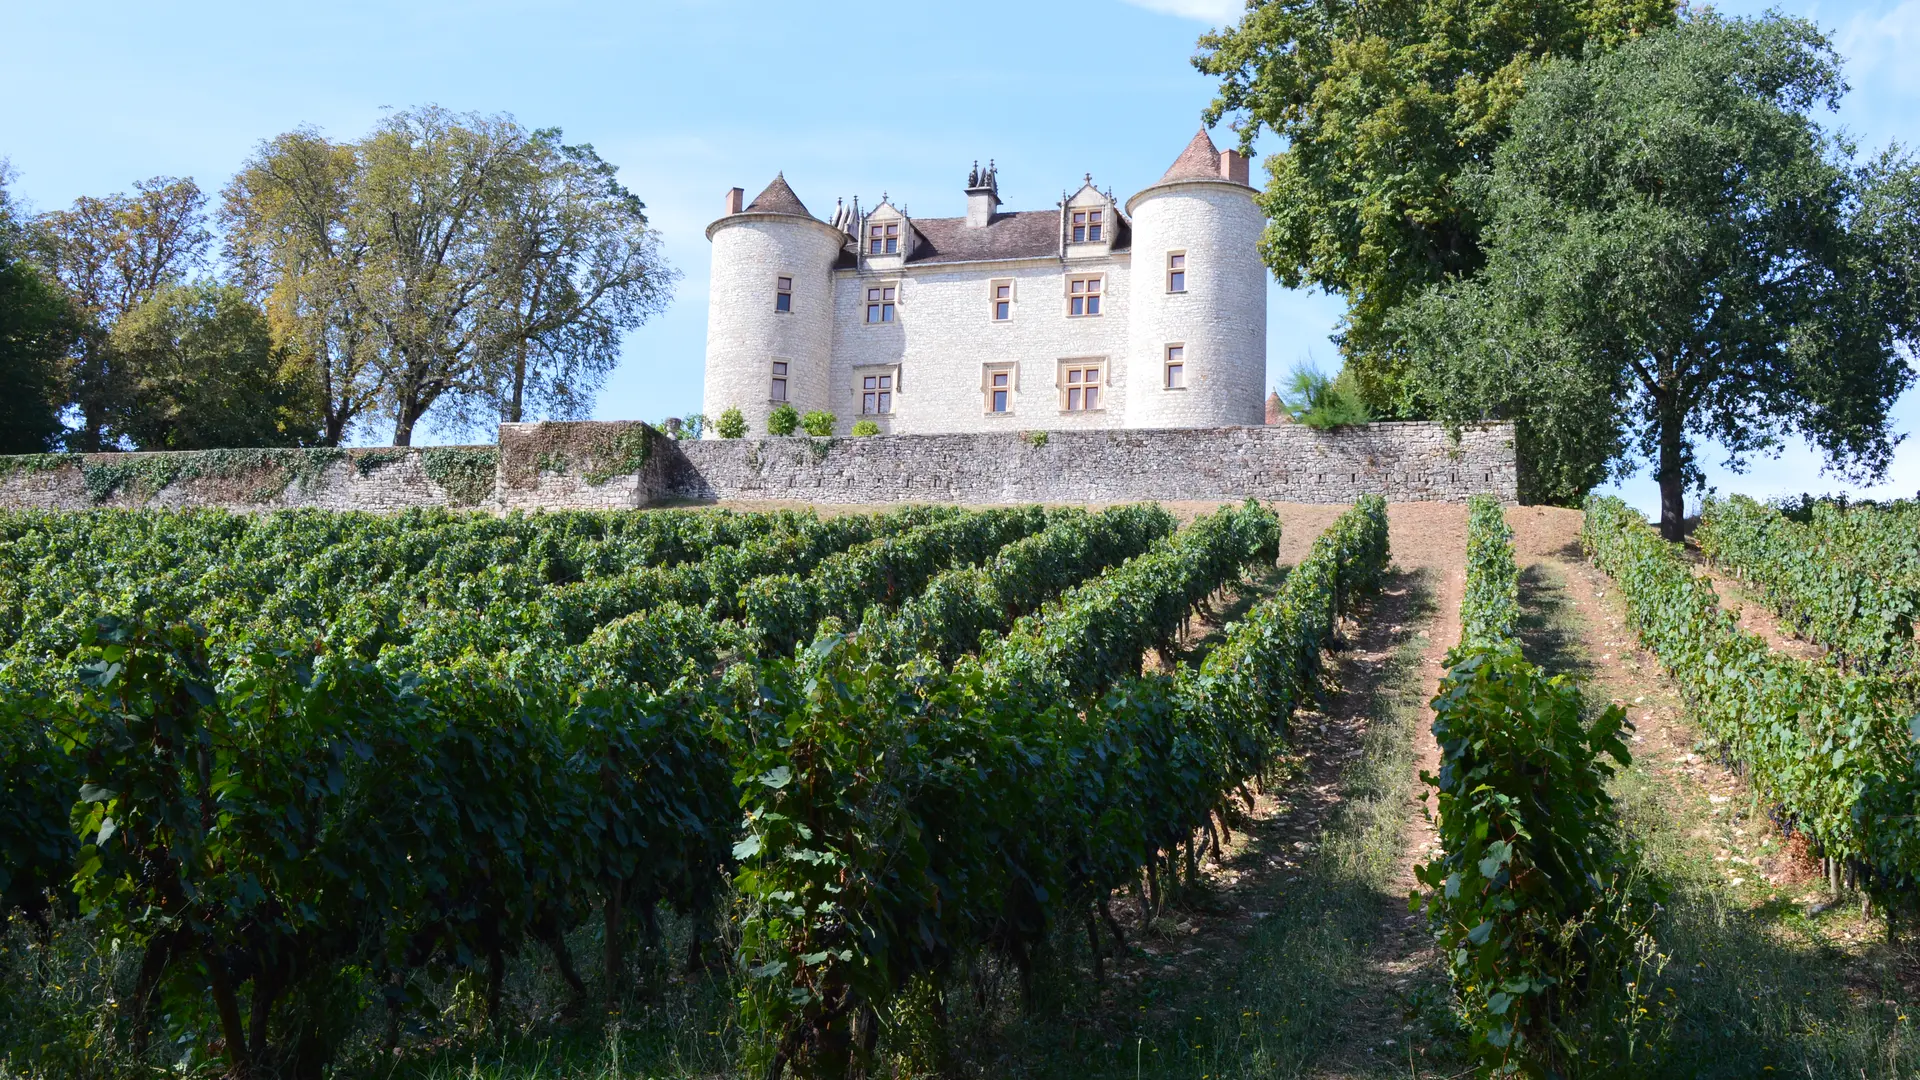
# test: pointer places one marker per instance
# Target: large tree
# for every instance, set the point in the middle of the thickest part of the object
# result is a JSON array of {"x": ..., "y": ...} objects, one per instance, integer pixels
[
  {"x": 579, "y": 266},
  {"x": 287, "y": 238},
  {"x": 1676, "y": 249},
  {"x": 445, "y": 259},
  {"x": 114, "y": 253},
  {"x": 202, "y": 371},
  {"x": 1384, "y": 106},
  {"x": 39, "y": 328}
]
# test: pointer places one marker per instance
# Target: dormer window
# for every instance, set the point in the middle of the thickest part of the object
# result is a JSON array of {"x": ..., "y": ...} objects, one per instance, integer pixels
[
  {"x": 783, "y": 294},
  {"x": 1088, "y": 225},
  {"x": 883, "y": 239},
  {"x": 1083, "y": 296},
  {"x": 880, "y": 304}
]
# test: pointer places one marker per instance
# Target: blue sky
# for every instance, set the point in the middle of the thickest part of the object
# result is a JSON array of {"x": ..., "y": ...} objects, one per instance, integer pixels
[{"x": 691, "y": 97}]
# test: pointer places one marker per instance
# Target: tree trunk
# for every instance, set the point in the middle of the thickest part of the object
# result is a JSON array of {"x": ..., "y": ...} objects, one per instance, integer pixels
[
  {"x": 226, "y": 1005},
  {"x": 614, "y": 964},
  {"x": 1671, "y": 472},
  {"x": 403, "y": 422},
  {"x": 519, "y": 384}
]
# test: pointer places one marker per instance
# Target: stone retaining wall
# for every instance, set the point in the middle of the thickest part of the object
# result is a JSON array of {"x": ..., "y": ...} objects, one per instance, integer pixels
[
  {"x": 1406, "y": 462},
  {"x": 605, "y": 466}
]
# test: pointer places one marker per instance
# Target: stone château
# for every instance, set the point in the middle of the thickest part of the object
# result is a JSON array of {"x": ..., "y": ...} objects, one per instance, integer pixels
[{"x": 1092, "y": 314}]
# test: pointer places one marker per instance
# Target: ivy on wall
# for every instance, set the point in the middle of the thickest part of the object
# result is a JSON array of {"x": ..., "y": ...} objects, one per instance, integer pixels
[
  {"x": 465, "y": 473},
  {"x": 270, "y": 471},
  {"x": 596, "y": 452}
]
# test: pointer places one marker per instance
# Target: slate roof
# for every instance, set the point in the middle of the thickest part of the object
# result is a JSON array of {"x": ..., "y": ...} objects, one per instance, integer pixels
[
  {"x": 1199, "y": 161},
  {"x": 778, "y": 199},
  {"x": 1026, "y": 234}
]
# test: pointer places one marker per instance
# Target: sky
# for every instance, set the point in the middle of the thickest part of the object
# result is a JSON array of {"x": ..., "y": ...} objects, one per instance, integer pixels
[{"x": 692, "y": 97}]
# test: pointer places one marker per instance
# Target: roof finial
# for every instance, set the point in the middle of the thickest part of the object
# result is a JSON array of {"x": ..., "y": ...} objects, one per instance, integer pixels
[
  {"x": 973, "y": 178},
  {"x": 1089, "y": 179}
]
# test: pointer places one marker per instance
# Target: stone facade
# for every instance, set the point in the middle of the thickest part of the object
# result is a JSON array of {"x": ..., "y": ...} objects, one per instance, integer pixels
[
  {"x": 1219, "y": 322},
  {"x": 910, "y": 303},
  {"x": 944, "y": 341},
  {"x": 613, "y": 466},
  {"x": 749, "y": 256}
]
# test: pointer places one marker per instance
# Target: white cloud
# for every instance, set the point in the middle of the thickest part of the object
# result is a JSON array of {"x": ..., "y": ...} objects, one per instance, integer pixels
[
  {"x": 1216, "y": 12},
  {"x": 1881, "y": 45}
]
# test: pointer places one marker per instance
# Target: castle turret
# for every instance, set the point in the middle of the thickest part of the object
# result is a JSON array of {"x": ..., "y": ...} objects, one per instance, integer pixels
[
  {"x": 1197, "y": 336},
  {"x": 770, "y": 306}
]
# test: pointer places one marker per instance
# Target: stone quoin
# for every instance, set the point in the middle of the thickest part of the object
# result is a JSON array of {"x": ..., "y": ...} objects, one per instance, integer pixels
[{"x": 1091, "y": 314}]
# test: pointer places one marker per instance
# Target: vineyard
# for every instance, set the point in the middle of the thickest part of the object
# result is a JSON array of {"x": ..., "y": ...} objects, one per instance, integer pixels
[
  {"x": 308, "y": 794},
  {"x": 307, "y": 759}
]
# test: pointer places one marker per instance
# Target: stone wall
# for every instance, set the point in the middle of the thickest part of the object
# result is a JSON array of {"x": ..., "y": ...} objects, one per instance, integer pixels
[
  {"x": 1406, "y": 462},
  {"x": 379, "y": 479},
  {"x": 610, "y": 466}
]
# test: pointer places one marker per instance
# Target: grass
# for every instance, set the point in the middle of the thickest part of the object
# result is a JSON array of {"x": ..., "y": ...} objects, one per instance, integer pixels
[{"x": 1754, "y": 985}]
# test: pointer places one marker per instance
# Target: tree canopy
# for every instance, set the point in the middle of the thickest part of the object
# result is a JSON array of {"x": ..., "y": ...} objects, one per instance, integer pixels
[
  {"x": 1384, "y": 107},
  {"x": 112, "y": 254},
  {"x": 449, "y": 259},
  {"x": 1676, "y": 249},
  {"x": 39, "y": 328},
  {"x": 202, "y": 371}
]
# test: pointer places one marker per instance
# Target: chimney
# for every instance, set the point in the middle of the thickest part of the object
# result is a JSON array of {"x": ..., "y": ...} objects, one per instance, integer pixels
[
  {"x": 735, "y": 198},
  {"x": 983, "y": 195},
  {"x": 1233, "y": 167}
]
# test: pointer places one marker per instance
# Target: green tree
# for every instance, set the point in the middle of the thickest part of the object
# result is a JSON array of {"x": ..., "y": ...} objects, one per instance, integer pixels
[
  {"x": 39, "y": 328},
  {"x": 1317, "y": 401},
  {"x": 783, "y": 420},
  {"x": 445, "y": 259},
  {"x": 579, "y": 266},
  {"x": 1676, "y": 249},
  {"x": 287, "y": 237},
  {"x": 113, "y": 254},
  {"x": 818, "y": 423},
  {"x": 202, "y": 371},
  {"x": 732, "y": 424},
  {"x": 1384, "y": 106}
]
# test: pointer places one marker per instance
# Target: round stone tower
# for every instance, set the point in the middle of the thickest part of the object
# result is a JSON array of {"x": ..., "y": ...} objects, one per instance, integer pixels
[
  {"x": 1197, "y": 332},
  {"x": 770, "y": 307}
]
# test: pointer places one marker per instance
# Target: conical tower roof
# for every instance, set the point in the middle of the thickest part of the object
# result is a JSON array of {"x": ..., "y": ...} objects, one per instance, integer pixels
[
  {"x": 1199, "y": 161},
  {"x": 778, "y": 198}
]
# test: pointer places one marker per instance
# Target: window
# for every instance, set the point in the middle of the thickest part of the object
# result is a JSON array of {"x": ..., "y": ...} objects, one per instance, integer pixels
[
  {"x": 1176, "y": 367},
  {"x": 1087, "y": 226},
  {"x": 876, "y": 395},
  {"x": 883, "y": 239},
  {"x": 1083, "y": 296},
  {"x": 1177, "y": 271},
  {"x": 880, "y": 304},
  {"x": 779, "y": 392},
  {"x": 1080, "y": 387},
  {"x": 998, "y": 386},
  {"x": 783, "y": 294},
  {"x": 1002, "y": 301}
]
